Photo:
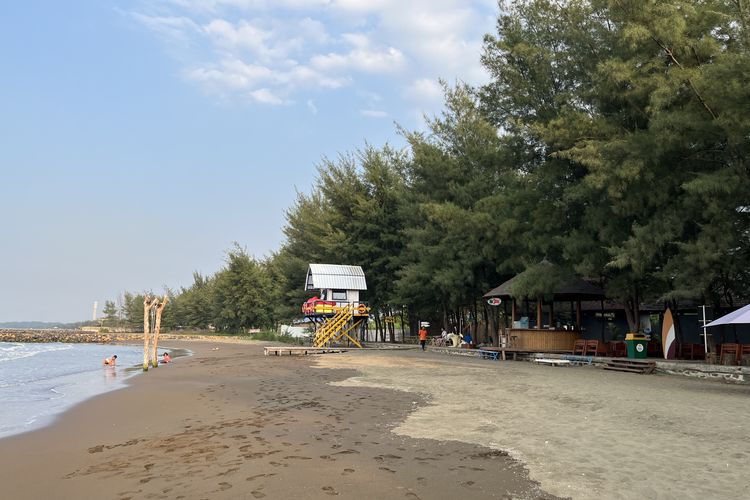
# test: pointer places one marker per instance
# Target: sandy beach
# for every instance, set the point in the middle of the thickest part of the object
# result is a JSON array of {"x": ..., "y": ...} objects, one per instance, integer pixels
[
  {"x": 231, "y": 423},
  {"x": 581, "y": 432}
]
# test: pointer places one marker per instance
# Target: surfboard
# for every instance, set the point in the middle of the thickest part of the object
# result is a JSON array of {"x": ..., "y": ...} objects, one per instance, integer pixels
[{"x": 669, "y": 347}]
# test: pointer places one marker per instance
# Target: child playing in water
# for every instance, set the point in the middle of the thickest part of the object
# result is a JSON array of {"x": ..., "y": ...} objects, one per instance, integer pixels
[{"x": 111, "y": 361}]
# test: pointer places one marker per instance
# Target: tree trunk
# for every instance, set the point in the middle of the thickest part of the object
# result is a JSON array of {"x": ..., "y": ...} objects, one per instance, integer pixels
[
  {"x": 403, "y": 326},
  {"x": 632, "y": 311},
  {"x": 475, "y": 322},
  {"x": 147, "y": 300},
  {"x": 157, "y": 328},
  {"x": 378, "y": 330}
]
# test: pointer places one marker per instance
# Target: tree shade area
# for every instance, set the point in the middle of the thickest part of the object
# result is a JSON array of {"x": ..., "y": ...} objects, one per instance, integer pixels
[{"x": 610, "y": 140}]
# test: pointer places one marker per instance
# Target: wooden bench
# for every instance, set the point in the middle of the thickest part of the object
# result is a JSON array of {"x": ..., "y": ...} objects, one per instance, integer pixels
[{"x": 485, "y": 354}]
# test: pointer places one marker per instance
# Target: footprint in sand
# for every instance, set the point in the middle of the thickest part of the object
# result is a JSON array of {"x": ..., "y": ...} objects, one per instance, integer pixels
[
  {"x": 387, "y": 470},
  {"x": 228, "y": 471},
  {"x": 97, "y": 449},
  {"x": 224, "y": 486},
  {"x": 329, "y": 490},
  {"x": 347, "y": 472},
  {"x": 253, "y": 478},
  {"x": 257, "y": 494},
  {"x": 411, "y": 494}
]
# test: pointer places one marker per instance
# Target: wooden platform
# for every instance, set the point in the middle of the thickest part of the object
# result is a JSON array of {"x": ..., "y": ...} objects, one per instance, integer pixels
[
  {"x": 301, "y": 351},
  {"x": 642, "y": 366}
]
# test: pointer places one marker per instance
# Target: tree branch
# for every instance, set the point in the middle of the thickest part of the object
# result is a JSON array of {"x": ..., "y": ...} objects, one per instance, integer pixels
[{"x": 669, "y": 52}]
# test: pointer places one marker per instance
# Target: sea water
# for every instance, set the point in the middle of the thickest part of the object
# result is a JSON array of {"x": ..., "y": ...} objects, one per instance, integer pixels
[{"x": 41, "y": 380}]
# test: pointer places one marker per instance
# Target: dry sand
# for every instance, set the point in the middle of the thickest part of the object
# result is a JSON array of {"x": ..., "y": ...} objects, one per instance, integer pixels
[
  {"x": 231, "y": 423},
  {"x": 582, "y": 432}
]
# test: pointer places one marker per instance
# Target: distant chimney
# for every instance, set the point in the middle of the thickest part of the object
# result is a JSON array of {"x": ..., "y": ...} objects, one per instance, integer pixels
[{"x": 93, "y": 316}]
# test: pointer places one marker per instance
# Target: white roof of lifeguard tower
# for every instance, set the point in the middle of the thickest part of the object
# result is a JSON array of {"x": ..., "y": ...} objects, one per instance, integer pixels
[{"x": 332, "y": 276}]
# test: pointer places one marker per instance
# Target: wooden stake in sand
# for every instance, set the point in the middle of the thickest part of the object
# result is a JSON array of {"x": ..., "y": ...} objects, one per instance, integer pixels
[
  {"x": 147, "y": 302},
  {"x": 157, "y": 328}
]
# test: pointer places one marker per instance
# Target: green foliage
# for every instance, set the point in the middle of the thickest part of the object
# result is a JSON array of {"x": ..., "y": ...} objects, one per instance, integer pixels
[
  {"x": 539, "y": 280},
  {"x": 276, "y": 337},
  {"x": 110, "y": 312}
]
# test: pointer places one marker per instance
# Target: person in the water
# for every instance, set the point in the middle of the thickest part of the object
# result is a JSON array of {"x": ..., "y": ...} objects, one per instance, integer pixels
[{"x": 111, "y": 361}]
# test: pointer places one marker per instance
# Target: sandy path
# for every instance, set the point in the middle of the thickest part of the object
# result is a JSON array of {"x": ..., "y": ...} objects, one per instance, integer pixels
[
  {"x": 582, "y": 432},
  {"x": 231, "y": 423}
]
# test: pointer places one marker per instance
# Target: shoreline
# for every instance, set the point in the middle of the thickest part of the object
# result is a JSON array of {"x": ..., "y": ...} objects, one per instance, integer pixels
[
  {"x": 229, "y": 422},
  {"x": 73, "y": 388}
]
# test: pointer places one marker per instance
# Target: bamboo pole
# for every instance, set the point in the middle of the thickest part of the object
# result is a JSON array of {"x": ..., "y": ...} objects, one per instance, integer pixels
[{"x": 147, "y": 301}]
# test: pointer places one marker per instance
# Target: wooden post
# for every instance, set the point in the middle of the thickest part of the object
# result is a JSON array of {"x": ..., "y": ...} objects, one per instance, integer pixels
[
  {"x": 552, "y": 314},
  {"x": 157, "y": 328},
  {"x": 512, "y": 312},
  {"x": 578, "y": 316},
  {"x": 147, "y": 300},
  {"x": 538, "y": 313}
]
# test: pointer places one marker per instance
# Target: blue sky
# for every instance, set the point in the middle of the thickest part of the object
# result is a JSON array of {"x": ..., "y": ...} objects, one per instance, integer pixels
[{"x": 139, "y": 139}]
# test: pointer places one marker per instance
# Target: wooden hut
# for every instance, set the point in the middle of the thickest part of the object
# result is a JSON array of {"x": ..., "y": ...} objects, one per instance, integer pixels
[{"x": 543, "y": 330}]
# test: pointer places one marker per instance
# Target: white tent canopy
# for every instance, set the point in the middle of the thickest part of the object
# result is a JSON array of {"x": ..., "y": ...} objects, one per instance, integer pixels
[{"x": 739, "y": 317}]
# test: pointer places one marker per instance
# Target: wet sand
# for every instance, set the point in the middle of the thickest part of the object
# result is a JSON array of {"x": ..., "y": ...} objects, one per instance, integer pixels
[{"x": 231, "y": 423}]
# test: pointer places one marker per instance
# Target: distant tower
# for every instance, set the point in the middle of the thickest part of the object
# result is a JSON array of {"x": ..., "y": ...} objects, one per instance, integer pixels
[{"x": 93, "y": 316}]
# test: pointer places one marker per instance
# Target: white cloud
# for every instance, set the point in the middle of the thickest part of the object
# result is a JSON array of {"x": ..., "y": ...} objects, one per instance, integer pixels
[
  {"x": 274, "y": 50},
  {"x": 172, "y": 28},
  {"x": 312, "y": 107},
  {"x": 240, "y": 37},
  {"x": 369, "y": 61},
  {"x": 233, "y": 74},
  {"x": 424, "y": 89},
  {"x": 265, "y": 96}
]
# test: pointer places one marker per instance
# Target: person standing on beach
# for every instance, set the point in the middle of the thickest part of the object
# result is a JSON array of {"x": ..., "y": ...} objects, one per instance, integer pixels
[
  {"x": 422, "y": 336},
  {"x": 111, "y": 361}
]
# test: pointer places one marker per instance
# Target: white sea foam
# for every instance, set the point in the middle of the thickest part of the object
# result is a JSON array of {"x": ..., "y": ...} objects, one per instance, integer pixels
[{"x": 13, "y": 351}]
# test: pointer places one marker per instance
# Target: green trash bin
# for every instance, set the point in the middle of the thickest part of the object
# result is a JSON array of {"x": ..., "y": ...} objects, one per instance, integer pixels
[{"x": 637, "y": 345}]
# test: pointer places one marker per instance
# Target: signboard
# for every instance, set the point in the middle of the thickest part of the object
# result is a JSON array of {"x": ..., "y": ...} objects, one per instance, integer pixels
[{"x": 494, "y": 301}]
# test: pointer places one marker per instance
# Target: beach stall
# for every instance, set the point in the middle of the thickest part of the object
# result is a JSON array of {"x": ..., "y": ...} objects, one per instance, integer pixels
[{"x": 545, "y": 307}]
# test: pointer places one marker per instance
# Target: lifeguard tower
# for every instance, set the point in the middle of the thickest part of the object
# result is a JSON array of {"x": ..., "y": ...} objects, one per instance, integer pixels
[{"x": 337, "y": 310}]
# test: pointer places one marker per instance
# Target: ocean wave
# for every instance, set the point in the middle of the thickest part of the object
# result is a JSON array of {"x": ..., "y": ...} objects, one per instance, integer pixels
[{"x": 14, "y": 351}]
